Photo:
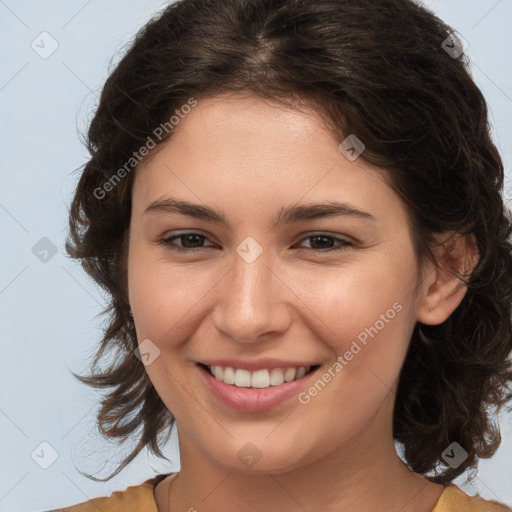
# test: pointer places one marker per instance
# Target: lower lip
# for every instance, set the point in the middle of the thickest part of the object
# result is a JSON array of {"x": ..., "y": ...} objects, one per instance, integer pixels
[{"x": 253, "y": 399}]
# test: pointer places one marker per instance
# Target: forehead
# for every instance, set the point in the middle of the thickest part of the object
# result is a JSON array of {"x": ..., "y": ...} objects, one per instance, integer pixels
[
  {"x": 249, "y": 132},
  {"x": 249, "y": 151}
]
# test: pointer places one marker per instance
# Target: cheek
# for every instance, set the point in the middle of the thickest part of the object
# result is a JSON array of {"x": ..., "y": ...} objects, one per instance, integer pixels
[
  {"x": 366, "y": 312},
  {"x": 164, "y": 299},
  {"x": 368, "y": 329}
]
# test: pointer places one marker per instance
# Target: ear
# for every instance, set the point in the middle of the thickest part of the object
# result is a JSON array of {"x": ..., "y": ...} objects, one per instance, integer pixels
[{"x": 444, "y": 283}]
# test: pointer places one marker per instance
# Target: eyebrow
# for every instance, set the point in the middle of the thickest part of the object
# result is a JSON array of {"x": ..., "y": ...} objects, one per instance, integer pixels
[{"x": 286, "y": 215}]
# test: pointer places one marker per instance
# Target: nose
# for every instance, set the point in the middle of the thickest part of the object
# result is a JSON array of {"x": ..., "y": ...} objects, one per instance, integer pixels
[{"x": 252, "y": 302}]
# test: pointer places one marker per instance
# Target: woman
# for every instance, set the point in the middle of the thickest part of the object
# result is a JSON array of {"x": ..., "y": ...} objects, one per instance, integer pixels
[{"x": 295, "y": 208}]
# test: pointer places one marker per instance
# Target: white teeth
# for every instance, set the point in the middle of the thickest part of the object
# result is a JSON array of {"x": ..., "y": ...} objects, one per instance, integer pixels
[
  {"x": 260, "y": 379},
  {"x": 257, "y": 379},
  {"x": 289, "y": 374},
  {"x": 276, "y": 377},
  {"x": 243, "y": 378},
  {"x": 229, "y": 375}
]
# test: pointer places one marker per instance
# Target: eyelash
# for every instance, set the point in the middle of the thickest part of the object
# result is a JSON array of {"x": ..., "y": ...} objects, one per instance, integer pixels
[{"x": 169, "y": 242}]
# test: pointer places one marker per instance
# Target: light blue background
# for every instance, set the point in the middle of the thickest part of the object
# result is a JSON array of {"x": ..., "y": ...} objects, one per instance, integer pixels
[{"x": 48, "y": 310}]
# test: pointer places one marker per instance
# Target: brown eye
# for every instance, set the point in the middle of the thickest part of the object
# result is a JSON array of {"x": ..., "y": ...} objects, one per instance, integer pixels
[
  {"x": 326, "y": 243},
  {"x": 188, "y": 241}
]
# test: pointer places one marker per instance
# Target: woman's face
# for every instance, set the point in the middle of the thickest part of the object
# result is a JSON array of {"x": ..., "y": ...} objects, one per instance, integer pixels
[{"x": 253, "y": 293}]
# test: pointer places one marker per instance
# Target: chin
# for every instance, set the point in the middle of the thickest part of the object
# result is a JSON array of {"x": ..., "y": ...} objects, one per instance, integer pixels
[{"x": 262, "y": 458}]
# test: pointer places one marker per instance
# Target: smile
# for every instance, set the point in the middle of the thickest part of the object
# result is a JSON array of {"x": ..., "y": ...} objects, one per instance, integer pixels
[
  {"x": 257, "y": 379},
  {"x": 255, "y": 391}
]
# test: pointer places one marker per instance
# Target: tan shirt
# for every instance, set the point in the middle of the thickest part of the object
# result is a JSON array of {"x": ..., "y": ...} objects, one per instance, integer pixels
[{"x": 141, "y": 498}]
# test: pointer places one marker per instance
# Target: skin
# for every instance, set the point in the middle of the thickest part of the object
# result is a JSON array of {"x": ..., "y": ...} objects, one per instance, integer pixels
[{"x": 249, "y": 158}]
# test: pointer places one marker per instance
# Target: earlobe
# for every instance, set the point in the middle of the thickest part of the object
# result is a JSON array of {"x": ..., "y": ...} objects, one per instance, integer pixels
[
  {"x": 441, "y": 301},
  {"x": 445, "y": 285}
]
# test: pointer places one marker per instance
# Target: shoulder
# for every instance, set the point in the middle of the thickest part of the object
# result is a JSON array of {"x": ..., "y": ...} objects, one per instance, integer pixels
[
  {"x": 133, "y": 499},
  {"x": 454, "y": 499}
]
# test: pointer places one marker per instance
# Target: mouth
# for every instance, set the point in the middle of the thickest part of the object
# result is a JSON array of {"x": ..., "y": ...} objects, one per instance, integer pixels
[
  {"x": 259, "y": 379},
  {"x": 255, "y": 391}
]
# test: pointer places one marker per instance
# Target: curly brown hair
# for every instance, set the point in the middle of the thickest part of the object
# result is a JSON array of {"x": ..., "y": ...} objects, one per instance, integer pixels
[{"x": 381, "y": 70}]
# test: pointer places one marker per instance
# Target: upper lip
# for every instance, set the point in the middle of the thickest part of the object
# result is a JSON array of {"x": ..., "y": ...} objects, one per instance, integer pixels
[{"x": 256, "y": 364}]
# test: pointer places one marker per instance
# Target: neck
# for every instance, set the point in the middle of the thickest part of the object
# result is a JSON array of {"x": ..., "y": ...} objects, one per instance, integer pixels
[{"x": 364, "y": 473}]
